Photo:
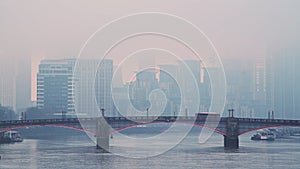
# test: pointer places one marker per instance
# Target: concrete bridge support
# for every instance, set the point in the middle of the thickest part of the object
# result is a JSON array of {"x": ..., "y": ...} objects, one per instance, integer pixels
[
  {"x": 231, "y": 139},
  {"x": 102, "y": 134}
]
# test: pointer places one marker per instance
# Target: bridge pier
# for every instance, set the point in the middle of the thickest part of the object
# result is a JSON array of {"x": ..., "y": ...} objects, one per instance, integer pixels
[
  {"x": 231, "y": 142},
  {"x": 102, "y": 135},
  {"x": 231, "y": 139}
]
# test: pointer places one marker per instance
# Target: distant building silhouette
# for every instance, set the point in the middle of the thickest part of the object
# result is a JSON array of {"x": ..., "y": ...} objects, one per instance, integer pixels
[
  {"x": 240, "y": 86},
  {"x": 7, "y": 84},
  {"x": 15, "y": 83},
  {"x": 260, "y": 88},
  {"x": 141, "y": 88},
  {"x": 103, "y": 86},
  {"x": 286, "y": 84},
  {"x": 92, "y": 87},
  {"x": 7, "y": 92},
  {"x": 189, "y": 78},
  {"x": 23, "y": 84},
  {"x": 167, "y": 82}
]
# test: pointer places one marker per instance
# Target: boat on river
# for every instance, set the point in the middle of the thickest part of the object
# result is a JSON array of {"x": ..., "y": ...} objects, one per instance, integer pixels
[
  {"x": 264, "y": 135},
  {"x": 11, "y": 137}
]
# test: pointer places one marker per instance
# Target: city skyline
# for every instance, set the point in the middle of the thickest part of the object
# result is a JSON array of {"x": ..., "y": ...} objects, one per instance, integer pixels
[
  {"x": 252, "y": 33},
  {"x": 149, "y": 84},
  {"x": 242, "y": 38},
  {"x": 257, "y": 92}
]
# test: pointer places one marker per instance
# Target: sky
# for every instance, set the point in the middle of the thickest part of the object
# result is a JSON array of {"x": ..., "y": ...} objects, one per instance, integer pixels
[{"x": 239, "y": 29}]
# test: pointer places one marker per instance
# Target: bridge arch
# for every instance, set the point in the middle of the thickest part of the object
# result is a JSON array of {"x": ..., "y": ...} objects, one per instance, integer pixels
[
  {"x": 160, "y": 122},
  {"x": 48, "y": 125},
  {"x": 113, "y": 132},
  {"x": 265, "y": 127}
]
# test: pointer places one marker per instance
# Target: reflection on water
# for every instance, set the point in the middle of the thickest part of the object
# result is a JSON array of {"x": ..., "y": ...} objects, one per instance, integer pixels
[{"x": 74, "y": 150}]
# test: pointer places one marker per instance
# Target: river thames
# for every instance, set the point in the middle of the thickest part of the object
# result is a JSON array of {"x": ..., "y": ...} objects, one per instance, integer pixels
[{"x": 74, "y": 150}]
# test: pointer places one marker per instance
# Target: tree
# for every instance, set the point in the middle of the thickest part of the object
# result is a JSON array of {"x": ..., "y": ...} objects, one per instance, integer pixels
[{"x": 7, "y": 113}]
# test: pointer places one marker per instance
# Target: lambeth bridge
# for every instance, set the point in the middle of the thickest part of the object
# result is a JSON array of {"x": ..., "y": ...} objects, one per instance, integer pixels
[{"x": 230, "y": 127}]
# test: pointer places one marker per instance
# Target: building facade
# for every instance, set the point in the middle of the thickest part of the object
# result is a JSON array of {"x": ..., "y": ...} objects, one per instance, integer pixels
[
  {"x": 86, "y": 91},
  {"x": 55, "y": 86},
  {"x": 92, "y": 87}
]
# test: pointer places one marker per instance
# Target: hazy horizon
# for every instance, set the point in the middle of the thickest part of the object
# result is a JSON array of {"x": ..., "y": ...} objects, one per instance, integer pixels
[{"x": 240, "y": 30}]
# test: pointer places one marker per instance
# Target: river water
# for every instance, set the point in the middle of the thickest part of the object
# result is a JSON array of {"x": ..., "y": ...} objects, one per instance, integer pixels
[{"x": 74, "y": 150}]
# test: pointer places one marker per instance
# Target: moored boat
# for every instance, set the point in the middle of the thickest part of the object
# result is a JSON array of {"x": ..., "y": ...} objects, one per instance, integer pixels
[
  {"x": 11, "y": 137},
  {"x": 263, "y": 135}
]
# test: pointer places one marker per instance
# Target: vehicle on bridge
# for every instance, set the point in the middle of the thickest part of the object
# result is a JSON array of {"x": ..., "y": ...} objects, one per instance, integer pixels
[
  {"x": 204, "y": 115},
  {"x": 11, "y": 137}
]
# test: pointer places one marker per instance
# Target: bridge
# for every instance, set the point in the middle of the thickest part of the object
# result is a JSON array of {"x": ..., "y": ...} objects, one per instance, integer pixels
[{"x": 230, "y": 127}]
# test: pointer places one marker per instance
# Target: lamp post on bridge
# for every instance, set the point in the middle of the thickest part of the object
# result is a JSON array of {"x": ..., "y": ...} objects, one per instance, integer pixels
[
  {"x": 102, "y": 112},
  {"x": 147, "y": 111},
  {"x": 271, "y": 115},
  {"x": 63, "y": 114},
  {"x": 23, "y": 115},
  {"x": 230, "y": 111}
]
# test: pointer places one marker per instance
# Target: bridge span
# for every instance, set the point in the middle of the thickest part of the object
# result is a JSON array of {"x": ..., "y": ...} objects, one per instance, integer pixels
[{"x": 230, "y": 127}]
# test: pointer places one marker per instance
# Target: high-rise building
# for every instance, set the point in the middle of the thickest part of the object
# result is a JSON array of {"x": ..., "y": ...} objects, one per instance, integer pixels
[
  {"x": 55, "y": 86},
  {"x": 7, "y": 92},
  {"x": 286, "y": 82},
  {"x": 189, "y": 79},
  {"x": 269, "y": 83},
  {"x": 103, "y": 87},
  {"x": 168, "y": 83},
  {"x": 205, "y": 89},
  {"x": 8, "y": 84},
  {"x": 259, "y": 94},
  {"x": 240, "y": 86},
  {"x": 186, "y": 67},
  {"x": 23, "y": 84},
  {"x": 93, "y": 82},
  {"x": 86, "y": 91},
  {"x": 121, "y": 101},
  {"x": 259, "y": 87},
  {"x": 15, "y": 83},
  {"x": 141, "y": 89}
]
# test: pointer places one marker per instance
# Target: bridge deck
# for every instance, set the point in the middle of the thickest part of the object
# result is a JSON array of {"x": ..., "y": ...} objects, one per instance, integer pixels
[{"x": 245, "y": 124}]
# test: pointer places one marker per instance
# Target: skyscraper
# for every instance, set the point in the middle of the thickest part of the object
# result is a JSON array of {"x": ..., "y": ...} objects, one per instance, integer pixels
[
  {"x": 259, "y": 87},
  {"x": 55, "y": 86},
  {"x": 8, "y": 85},
  {"x": 103, "y": 86},
  {"x": 260, "y": 80},
  {"x": 23, "y": 84},
  {"x": 189, "y": 79},
  {"x": 168, "y": 83},
  {"x": 286, "y": 84},
  {"x": 15, "y": 83},
  {"x": 7, "y": 92},
  {"x": 141, "y": 89},
  {"x": 240, "y": 86},
  {"x": 92, "y": 87},
  {"x": 87, "y": 91}
]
